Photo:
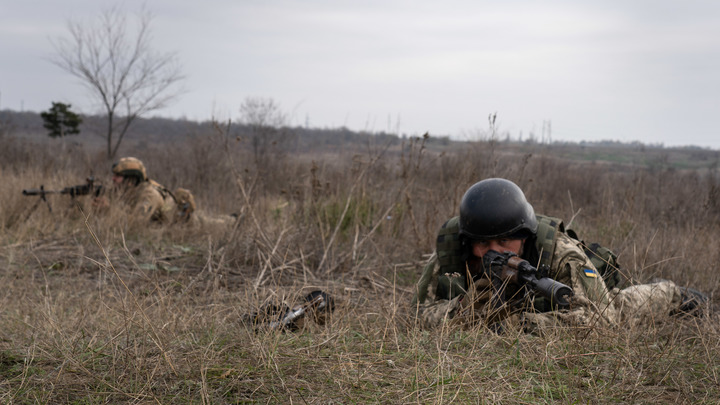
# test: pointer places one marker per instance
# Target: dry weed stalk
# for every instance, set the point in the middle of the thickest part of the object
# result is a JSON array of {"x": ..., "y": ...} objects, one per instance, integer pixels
[
  {"x": 99, "y": 310},
  {"x": 155, "y": 337}
]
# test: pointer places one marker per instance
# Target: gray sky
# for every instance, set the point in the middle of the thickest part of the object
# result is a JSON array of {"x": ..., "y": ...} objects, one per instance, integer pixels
[{"x": 641, "y": 70}]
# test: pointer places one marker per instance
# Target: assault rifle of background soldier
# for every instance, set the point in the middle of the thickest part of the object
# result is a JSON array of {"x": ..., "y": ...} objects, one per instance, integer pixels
[{"x": 89, "y": 188}]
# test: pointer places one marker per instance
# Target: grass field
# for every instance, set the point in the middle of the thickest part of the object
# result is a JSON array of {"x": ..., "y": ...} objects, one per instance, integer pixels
[{"x": 99, "y": 309}]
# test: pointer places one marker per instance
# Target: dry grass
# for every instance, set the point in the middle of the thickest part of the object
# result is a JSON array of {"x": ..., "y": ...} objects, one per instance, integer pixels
[{"x": 99, "y": 310}]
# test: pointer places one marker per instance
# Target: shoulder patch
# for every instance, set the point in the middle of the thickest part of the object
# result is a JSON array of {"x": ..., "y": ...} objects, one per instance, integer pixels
[{"x": 590, "y": 273}]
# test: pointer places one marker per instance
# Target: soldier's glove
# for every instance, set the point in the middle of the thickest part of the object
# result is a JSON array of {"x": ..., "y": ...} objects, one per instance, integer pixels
[
  {"x": 473, "y": 304},
  {"x": 494, "y": 265},
  {"x": 485, "y": 300},
  {"x": 478, "y": 294}
]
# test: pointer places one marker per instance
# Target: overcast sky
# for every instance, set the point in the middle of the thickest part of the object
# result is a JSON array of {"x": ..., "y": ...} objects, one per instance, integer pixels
[{"x": 641, "y": 70}]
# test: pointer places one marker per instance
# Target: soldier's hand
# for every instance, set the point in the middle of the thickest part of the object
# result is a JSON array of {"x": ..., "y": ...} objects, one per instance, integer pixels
[
  {"x": 478, "y": 295},
  {"x": 481, "y": 303}
]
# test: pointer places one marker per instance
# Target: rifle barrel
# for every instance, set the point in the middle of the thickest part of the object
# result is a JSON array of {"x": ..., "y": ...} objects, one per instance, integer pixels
[
  {"x": 37, "y": 191},
  {"x": 557, "y": 292}
]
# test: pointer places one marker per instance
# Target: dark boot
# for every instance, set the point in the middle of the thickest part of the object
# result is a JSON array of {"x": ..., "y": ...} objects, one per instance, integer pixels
[{"x": 693, "y": 302}]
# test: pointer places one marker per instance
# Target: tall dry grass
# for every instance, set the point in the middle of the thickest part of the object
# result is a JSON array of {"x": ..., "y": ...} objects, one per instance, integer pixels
[{"x": 98, "y": 309}]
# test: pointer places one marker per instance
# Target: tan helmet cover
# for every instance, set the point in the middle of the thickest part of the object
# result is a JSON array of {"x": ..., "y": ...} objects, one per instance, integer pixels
[{"x": 130, "y": 167}]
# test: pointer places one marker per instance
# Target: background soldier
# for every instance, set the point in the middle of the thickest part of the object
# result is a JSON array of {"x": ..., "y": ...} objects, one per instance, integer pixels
[
  {"x": 147, "y": 199},
  {"x": 458, "y": 283},
  {"x": 151, "y": 201}
]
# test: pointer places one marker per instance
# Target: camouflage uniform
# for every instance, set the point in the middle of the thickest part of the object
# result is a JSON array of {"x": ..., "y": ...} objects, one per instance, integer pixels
[
  {"x": 204, "y": 220},
  {"x": 147, "y": 199},
  {"x": 149, "y": 202},
  {"x": 592, "y": 304}
]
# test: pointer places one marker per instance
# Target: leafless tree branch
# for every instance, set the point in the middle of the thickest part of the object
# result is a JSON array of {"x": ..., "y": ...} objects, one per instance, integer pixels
[{"x": 114, "y": 60}]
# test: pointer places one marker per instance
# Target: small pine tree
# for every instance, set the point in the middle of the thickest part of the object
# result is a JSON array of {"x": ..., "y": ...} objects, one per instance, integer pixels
[{"x": 60, "y": 121}]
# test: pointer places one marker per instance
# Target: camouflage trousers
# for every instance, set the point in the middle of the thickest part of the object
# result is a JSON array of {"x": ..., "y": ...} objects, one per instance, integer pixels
[
  {"x": 200, "y": 219},
  {"x": 641, "y": 304},
  {"x": 635, "y": 305}
]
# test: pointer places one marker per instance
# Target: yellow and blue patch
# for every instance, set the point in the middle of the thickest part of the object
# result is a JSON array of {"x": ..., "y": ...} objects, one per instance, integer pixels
[{"x": 590, "y": 273}]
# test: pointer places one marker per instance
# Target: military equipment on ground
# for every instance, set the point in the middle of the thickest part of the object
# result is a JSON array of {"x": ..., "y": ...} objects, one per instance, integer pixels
[
  {"x": 317, "y": 302},
  {"x": 317, "y": 305}
]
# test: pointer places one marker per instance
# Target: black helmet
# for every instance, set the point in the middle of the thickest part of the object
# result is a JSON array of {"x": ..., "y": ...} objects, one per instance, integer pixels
[{"x": 496, "y": 208}]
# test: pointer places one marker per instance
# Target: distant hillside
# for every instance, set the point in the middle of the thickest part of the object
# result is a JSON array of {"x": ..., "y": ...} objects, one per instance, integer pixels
[{"x": 159, "y": 131}]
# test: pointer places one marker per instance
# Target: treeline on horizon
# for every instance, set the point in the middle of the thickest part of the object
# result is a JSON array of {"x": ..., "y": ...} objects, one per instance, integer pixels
[{"x": 158, "y": 130}]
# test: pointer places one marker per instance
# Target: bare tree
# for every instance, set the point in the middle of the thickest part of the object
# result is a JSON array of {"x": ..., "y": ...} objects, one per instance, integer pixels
[
  {"x": 115, "y": 61},
  {"x": 266, "y": 124}
]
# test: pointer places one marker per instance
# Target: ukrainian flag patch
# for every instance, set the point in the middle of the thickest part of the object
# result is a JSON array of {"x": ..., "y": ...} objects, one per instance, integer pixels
[{"x": 590, "y": 273}]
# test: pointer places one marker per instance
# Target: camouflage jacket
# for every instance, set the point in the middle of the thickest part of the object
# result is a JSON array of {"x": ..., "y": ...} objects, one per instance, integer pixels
[{"x": 148, "y": 201}]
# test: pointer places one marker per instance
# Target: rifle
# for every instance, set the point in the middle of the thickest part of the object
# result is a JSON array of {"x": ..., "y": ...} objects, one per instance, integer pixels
[
  {"x": 517, "y": 271},
  {"x": 83, "y": 189},
  {"x": 318, "y": 303}
]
